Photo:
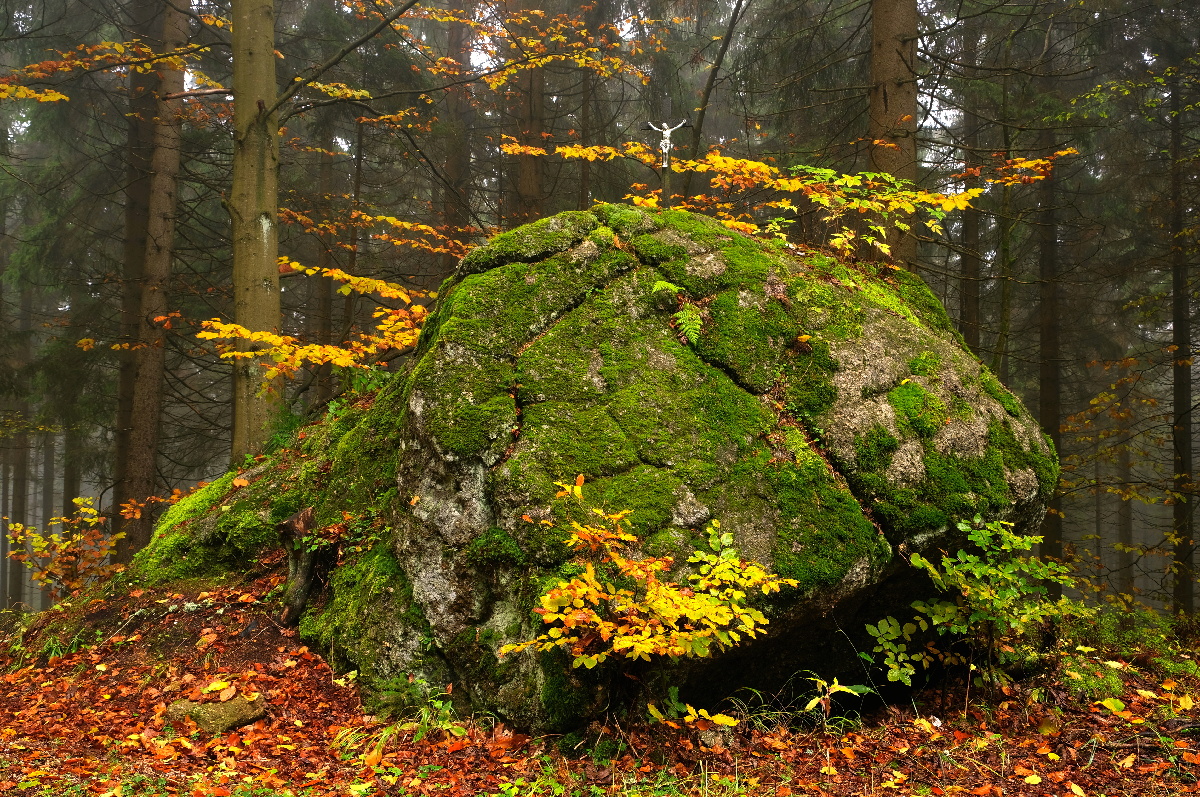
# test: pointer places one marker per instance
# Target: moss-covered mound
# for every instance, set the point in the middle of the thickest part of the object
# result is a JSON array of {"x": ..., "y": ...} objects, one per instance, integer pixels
[{"x": 824, "y": 412}]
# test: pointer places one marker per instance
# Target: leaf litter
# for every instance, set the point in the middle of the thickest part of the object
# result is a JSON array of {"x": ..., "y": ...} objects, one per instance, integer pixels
[{"x": 88, "y": 720}]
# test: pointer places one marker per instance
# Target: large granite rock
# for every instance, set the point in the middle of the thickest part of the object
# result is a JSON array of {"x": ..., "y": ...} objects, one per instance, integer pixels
[{"x": 826, "y": 413}]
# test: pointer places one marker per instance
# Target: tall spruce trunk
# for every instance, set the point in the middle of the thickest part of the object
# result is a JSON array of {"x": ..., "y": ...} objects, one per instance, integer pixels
[
  {"x": 141, "y": 466},
  {"x": 19, "y": 505},
  {"x": 1125, "y": 579},
  {"x": 710, "y": 83},
  {"x": 324, "y": 285},
  {"x": 456, "y": 194},
  {"x": 892, "y": 112},
  {"x": 5, "y": 507},
  {"x": 531, "y": 123},
  {"x": 970, "y": 259},
  {"x": 1049, "y": 371},
  {"x": 21, "y": 444},
  {"x": 1183, "y": 553},
  {"x": 145, "y": 24},
  {"x": 47, "y": 501},
  {"x": 253, "y": 208}
]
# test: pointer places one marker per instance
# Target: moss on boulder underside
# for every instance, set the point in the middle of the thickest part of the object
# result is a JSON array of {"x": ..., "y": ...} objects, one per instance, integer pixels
[{"x": 826, "y": 413}]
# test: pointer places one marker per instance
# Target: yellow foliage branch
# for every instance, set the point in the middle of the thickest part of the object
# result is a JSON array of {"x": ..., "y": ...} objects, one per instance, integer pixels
[{"x": 285, "y": 355}]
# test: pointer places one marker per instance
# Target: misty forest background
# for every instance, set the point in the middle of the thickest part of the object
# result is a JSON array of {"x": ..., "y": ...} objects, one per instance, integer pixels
[{"x": 1077, "y": 290}]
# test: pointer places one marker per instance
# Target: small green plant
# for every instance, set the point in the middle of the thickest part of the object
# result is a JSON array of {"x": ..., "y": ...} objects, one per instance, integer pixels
[
  {"x": 1000, "y": 598},
  {"x": 420, "y": 709},
  {"x": 826, "y": 691},
  {"x": 676, "y": 711},
  {"x": 687, "y": 320}
]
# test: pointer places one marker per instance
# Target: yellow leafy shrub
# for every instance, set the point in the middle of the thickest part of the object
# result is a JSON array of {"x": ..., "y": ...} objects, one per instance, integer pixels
[{"x": 622, "y": 605}]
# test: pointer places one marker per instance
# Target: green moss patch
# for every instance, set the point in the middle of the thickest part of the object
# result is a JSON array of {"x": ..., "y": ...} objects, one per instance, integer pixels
[
  {"x": 991, "y": 386},
  {"x": 918, "y": 411},
  {"x": 195, "y": 504},
  {"x": 367, "y": 587},
  {"x": 917, "y": 296},
  {"x": 926, "y": 363},
  {"x": 531, "y": 242}
]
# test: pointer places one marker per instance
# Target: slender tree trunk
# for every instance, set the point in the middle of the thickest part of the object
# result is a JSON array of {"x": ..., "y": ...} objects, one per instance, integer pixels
[
  {"x": 72, "y": 474},
  {"x": 69, "y": 414},
  {"x": 21, "y": 444},
  {"x": 142, "y": 466},
  {"x": 324, "y": 285},
  {"x": 20, "y": 505},
  {"x": 1125, "y": 582},
  {"x": 531, "y": 123},
  {"x": 253, "y": 208},
  {"x": 710, "y": 83},
  {"x": 585, "y": 139},
  {"x": 6, "y": 514},
  {"x": 349, "y": 307},
  {"x": 47, "y": 503},
  {"x": 456, "y": 196},
  {"x": 1049, "y": 374},
  {"x": 531, "y": 168},
  {"x": 970, "y": 277},
  {"x": 5, "y": 449},
  {"x": 145, "y": 25},
  {"x": 892, "y": 123},
  {"x": 1004, "y": 227},
  {"x": 1183, "y": 592}
]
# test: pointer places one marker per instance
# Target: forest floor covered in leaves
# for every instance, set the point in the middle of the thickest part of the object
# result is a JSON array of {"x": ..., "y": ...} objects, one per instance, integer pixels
[{"x": 85, "y": 716}]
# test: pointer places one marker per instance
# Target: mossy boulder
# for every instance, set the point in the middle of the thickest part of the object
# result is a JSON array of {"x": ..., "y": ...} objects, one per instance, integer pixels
[{"x": 825, "y": 412}]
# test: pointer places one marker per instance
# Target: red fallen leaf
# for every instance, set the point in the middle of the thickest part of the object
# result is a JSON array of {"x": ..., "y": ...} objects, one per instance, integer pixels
[{"x": 246, "y": 597}]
